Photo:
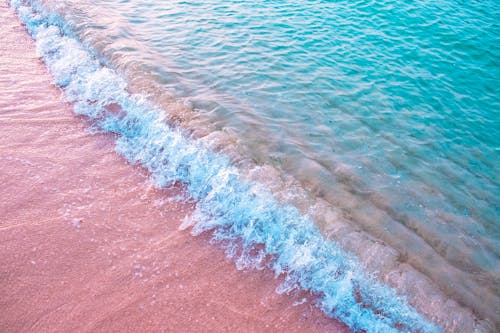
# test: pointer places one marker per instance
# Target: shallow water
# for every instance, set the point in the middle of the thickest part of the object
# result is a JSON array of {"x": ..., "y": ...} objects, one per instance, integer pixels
[{"x": 388, "y": 112}]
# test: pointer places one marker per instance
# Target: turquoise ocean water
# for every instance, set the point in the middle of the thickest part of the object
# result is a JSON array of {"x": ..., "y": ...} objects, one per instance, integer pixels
[{"x": 378, "y": 121}]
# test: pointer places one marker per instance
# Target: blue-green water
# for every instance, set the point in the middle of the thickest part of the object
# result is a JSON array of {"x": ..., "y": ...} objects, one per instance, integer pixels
[{"x": 387, "y": 111}]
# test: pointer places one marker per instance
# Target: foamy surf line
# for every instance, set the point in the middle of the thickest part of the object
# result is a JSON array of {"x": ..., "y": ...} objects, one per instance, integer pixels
[{"x": 256, "y": 230}]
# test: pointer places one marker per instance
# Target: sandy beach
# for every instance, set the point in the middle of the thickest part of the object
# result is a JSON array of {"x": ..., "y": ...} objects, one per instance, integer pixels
[{"x": 89, "y": 245}]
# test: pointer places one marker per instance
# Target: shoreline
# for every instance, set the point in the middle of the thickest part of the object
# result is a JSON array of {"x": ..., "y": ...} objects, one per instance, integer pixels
[
  {"x": 139, "y": 140},
  {"x": 89, "y": 244}
]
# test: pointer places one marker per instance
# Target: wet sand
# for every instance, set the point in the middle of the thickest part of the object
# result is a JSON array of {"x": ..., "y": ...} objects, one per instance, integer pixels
[{"x": 87, "y": 244}]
